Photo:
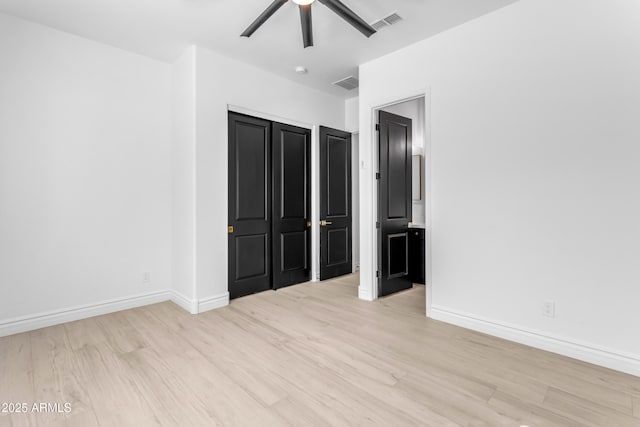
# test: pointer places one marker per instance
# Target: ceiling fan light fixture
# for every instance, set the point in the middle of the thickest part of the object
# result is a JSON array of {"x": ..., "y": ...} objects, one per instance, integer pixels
[{"x": 336, "y": 6}]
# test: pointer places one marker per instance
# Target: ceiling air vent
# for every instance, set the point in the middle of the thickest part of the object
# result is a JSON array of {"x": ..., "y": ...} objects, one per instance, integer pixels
[
  {"x": 388, "y": 20},
  {"x": 348, "y": 83},
  {"x": 394, "y": 18},
  {"x": 379, "y": 24}
]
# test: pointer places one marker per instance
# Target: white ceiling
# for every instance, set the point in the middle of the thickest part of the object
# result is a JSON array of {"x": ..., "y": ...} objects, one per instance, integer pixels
[{"x": 162, "y": 29}]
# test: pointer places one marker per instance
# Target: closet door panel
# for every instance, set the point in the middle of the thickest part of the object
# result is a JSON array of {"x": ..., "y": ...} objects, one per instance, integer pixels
[
  {"x": 249, "y": 241},
  {"x": 291, "y": 205}
]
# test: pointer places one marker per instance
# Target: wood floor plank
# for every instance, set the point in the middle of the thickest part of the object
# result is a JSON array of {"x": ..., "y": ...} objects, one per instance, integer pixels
[
  {"x": 226, "y": 400},
  {"x": 84, "y": 332},
  {"x": 209, "y": 383},
  {"x": 451, "y": 405},
  {"x": 56, "y": 379},
  {"x": 120, "y": 334},
  {"x": 599, "y": 376},
  {"x": 295, "y": 413},
  {"x": 568, "y": 375},
  {"x": 164, "y": 390},
  {"x": 111, "y": 386},
  {"x": 310, "y": 354},
  {"x": 529, "y": 414},
  {"x": 17, "y": 384},
  {"x": 240, "y": 357},
  {"x": 585, "y": 411}
]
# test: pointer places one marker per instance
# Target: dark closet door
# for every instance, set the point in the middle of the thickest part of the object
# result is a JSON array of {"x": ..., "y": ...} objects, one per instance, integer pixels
[
  {"x": 249, "y": 205},
  {"x": 291, "y": 205},
  {"x": 394, "y": 202},
  {"x": 335, "y": 203}
]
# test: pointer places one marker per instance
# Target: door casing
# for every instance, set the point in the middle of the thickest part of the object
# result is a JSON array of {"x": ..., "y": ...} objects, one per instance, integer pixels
[{"x": 368, "y": 289}]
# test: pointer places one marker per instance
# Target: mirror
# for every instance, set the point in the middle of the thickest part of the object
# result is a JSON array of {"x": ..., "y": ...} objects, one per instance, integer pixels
[{"x": 416, "y": 180}]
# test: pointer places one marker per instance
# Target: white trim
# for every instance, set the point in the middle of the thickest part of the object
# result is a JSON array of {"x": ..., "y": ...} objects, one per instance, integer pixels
[
  {"x": 428, "y": 299},
  {"x": 364, "y": 293},
  {"x": 56, "y": 317},
  {"x": 186, "y": 303},
  {"x": 213, "y": 302},
  {"x": 18, "y": 325},
  {"x": 608, "y": 358},
  {"x": 267, "y": 116},
  {"x": 368, "y": 289}
]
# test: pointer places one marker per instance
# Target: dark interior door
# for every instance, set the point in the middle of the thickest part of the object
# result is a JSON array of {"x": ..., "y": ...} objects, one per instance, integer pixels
[
  {"x": 335, "y": 203},
  {"x": 291, "y": 205},
  {"x": 249, "y": 205},
  {"x": 394, "y": 202}
]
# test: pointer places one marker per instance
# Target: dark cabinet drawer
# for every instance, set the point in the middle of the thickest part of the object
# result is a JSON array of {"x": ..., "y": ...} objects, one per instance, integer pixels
[{"x": 416, "y": 255}]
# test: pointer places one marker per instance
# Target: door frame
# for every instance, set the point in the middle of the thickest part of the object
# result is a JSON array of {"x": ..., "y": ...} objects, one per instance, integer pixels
[
  {"x": 315, "y": 177},
  {"x": 368, "y": 289}
]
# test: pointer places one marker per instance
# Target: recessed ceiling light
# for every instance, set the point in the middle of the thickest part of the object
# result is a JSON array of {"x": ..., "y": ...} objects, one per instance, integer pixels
[{"x": 301, "y": 69}]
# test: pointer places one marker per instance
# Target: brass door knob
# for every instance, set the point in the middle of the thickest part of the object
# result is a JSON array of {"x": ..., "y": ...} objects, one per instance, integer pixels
[{"x": 324, "y": 223}]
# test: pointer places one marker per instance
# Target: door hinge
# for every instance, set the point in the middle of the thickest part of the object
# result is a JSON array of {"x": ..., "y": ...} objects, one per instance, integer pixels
[
  {"x": 377, "y": 224},
  {"x": 308, "y": 224},
  {"x": 378, "y": 274},
  {"x": 377, "y": 127},
  {"x": 377, "y": 175},
  {"x": 230, "y": 229}
]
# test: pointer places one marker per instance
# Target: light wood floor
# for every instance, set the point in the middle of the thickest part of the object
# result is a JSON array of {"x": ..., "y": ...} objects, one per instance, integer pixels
[{"x": 311, "y": 354}]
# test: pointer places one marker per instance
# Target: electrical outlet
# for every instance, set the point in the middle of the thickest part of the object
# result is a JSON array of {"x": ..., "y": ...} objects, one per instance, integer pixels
[
  {"x": 146, "y": 277},
  {"x": 549, "y": 309}
]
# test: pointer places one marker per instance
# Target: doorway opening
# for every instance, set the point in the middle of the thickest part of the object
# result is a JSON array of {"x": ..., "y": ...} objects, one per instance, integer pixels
[{"x": 402, "y": 196}]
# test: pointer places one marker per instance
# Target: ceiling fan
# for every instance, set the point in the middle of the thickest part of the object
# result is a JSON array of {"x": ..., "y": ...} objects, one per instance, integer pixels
[{"x": 305, "y": 18}]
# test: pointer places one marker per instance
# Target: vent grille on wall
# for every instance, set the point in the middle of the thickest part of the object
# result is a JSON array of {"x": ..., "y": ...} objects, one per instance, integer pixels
[
  {"x": 386, "y": 21},
  {"x": 348, "y": 83}
]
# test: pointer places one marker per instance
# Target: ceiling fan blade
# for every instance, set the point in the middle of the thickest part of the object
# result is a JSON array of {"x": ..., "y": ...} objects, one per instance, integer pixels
[
  {"x": 307, "y": 25},
  {"x": 277, "y": 4},
  {"x": 350, "y": 16}
]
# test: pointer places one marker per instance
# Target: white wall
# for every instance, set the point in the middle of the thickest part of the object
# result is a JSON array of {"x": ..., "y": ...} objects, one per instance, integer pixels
[
  {"x": 85, "y": 180},
  {"x": 183, "y": 157},
  {"x": 535, "y": 195},
  {"x": 352, "y": 114},
  {"x": 222, "y": 82}
]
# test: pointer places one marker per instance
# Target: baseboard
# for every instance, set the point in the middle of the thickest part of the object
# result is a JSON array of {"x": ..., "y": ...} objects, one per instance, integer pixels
[
  {"x": 365, "y": 293},
  {"x": 626, "y": 363},
  {"x": 51, "y": 318},
  {"x": 213, "y": 302},
  {"x": 190, "y": 305},
  {"x": 42, "y": 320}
]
